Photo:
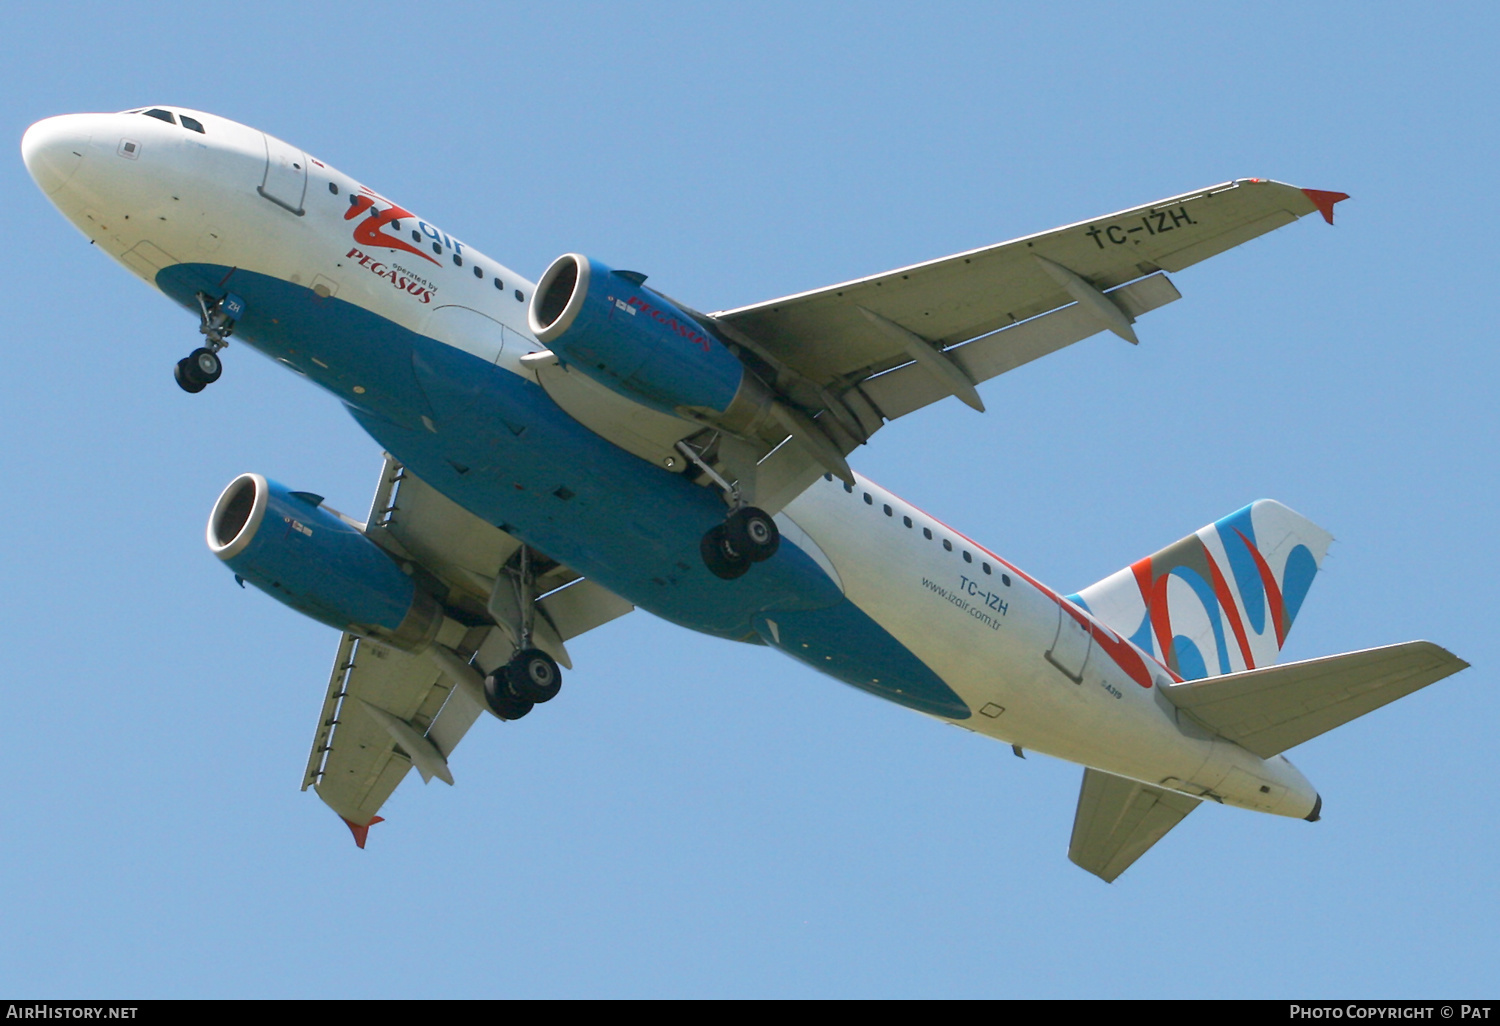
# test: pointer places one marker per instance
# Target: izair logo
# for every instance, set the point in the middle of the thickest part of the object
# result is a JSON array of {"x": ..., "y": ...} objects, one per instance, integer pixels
[{"x": 370, "y": 232}]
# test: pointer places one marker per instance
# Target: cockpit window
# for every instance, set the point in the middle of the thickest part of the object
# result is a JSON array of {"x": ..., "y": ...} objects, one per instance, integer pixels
[
  {"x": 193, "y": 123},
  {"x": 164, "y": 115}
]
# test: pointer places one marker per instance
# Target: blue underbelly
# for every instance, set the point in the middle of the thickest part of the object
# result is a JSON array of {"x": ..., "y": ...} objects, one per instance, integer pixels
[{"x": 501, "y": 448}]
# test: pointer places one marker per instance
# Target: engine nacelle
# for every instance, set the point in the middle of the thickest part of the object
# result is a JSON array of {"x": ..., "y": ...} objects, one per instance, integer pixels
[
  {"x": 603, "y": 323},
  {"x": 287, "y": 545}
]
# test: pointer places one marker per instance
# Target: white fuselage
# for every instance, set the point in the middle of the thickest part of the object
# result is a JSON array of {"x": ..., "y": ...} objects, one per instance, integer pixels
[{"x": 1035, "y": 669}]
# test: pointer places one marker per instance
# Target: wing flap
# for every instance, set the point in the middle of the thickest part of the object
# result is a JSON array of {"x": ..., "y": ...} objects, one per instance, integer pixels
[
  {"x": 1272, "y": 709},
  {"x": 1118, "y": 820},
  {"x": 582, "y": 606},
  {"x": 905, "y": 389}
]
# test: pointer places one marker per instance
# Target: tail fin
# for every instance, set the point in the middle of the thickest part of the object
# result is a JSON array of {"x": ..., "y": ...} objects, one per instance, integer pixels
[{"x": 1221, "y": 600}]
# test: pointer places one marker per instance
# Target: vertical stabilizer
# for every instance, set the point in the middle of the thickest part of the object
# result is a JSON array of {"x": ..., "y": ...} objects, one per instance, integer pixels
[{"x": 1221, "y": 600}]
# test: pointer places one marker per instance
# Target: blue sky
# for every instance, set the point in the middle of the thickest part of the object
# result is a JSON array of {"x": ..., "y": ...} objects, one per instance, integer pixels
[{"x": 691, "y": 817}]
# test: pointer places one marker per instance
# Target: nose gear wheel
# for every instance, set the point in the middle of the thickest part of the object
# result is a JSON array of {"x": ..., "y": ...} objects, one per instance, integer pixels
[{"x": 203, "y": 367}]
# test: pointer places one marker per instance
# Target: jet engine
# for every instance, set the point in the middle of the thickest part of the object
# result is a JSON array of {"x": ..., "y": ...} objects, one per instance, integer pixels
[
  {"x": 632, "y": 340},
  {"x": 291, "y": 547}
]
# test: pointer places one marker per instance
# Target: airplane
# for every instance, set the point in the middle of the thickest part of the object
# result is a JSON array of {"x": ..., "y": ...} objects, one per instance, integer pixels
[{"x": 560, "y": 452}]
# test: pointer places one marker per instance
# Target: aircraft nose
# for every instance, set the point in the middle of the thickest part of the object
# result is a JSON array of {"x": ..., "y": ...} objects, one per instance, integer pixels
[{"x": 53, "y": 148}]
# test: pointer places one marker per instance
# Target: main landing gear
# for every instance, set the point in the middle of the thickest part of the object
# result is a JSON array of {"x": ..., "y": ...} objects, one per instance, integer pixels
[
  {"x": 748, "y": 535},
  {"x": 202, "y": 367},
  {"x": 532, "y": 676},
  {"x": 529, "y": 678}
]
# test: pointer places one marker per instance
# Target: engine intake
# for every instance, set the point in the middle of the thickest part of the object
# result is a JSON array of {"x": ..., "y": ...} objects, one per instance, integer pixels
[{"x": 294, "y": 549}]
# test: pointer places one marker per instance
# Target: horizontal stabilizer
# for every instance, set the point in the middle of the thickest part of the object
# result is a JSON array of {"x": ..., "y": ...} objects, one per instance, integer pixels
[
  {"x": 1119, "y": 819},
  {"x": 1276, "y": 708}
]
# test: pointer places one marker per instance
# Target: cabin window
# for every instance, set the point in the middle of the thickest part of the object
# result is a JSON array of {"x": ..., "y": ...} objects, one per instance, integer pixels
[
  {"x": 888, "y": 510},
  {"x": 161, "y": 115},
  {"x": 458, "y": 261},
  {"x": 520, "y": 298},
  {"x": 927, "y": 533},
  {"x": 947, "y": 545},
  {"x": 333, "y": 188},
  {"x": 968, "y": 558},
  {"x": 478, "y": 271},
  {"x": 906, "y": 521},
  {"x": 986, "y": 568},
  {"x": 1005, "y": 580},
  {"x": 416, "y": 236},
  {"x": 848, "y": 488},
  {"x": 869, "y": 501},
  {"x": 197, "y": 126},
  {"x": 437, "y": 248},
  {"x": 827, "y": 477}
]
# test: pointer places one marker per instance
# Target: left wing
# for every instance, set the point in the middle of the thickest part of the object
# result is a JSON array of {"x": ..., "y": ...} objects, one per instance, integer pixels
[
  {"x": 386, "y": 710},
  {"x": 847, "y": 358},
  {"x": 826, "y": 336},
  {"x": 1119, "y": 819}
]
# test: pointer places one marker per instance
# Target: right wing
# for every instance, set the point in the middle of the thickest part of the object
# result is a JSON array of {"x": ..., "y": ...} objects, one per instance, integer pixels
[
  {"x": 386, "y": 710},
  {"x": 1119, "y": 819}
]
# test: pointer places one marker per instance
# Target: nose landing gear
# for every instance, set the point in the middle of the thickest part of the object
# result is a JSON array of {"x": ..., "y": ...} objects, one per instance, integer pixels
[
  {"x": 748, "y": 535},
  {"x": 197, "y": 371},
  {"x": 202, "y": 367}
]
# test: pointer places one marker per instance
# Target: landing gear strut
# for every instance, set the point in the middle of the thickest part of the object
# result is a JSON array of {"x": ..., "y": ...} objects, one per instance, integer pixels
[
  {"x": 748, "y": 535},
  {"x": 202, "y": 367},
  {"x": 532, "y": 676}
]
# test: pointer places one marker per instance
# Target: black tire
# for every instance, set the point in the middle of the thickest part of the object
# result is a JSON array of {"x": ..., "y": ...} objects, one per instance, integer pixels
[
  {"x": 752, "y": 532},
  {"x": 206, "y": 365},
  {"x": 185, "y": 378},
  {"x": 502, "y": 703},
  {"x": 722, "y": 559},
  {"x": 533, "y": 676}
]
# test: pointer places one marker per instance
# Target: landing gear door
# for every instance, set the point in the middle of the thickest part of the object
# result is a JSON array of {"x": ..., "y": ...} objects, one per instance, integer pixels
[
  {"x": 285, "y": 183},
  {"x": 1070, "y": 649}
]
